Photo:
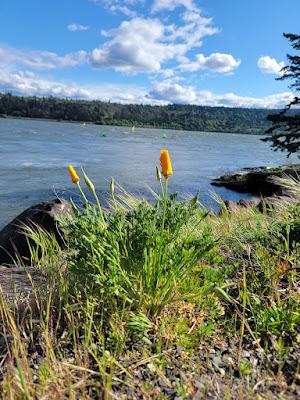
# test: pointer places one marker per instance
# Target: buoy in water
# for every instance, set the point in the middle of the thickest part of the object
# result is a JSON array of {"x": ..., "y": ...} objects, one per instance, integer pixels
[{"x": 102, "y": 134}]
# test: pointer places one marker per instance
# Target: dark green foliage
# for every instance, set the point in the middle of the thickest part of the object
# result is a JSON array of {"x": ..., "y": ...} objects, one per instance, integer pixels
[
  {"x": 188, "y": 117},
  {"x": 280, "y": 320},
  {"x": 285, "y": 127}
]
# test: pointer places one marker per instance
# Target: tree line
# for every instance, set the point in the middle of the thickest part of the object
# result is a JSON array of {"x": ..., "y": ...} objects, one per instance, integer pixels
[{"x": 186, "y": 117}]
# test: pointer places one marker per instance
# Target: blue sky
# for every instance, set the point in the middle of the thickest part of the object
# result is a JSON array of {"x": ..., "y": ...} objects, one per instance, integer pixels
[{"x": 206, "y": 52}]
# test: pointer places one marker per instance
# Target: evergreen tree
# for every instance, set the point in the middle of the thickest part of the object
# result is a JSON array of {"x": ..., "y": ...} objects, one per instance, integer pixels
[{"x": 285, "y": 129}]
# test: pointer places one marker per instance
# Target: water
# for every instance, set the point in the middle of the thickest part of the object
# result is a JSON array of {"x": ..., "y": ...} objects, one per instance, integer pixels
[{"x": 34, "y": 156}]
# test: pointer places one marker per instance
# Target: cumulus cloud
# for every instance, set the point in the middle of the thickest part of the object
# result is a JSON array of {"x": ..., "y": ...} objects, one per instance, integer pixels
[
  {"x": 269, "y": 65},
  {"x": 42, "y": 60},
  {"x": 136, "y": 46},
  {"x": 165, "y": 92},
  {"x": 77, "y": 27},
  {"x": 143, "y": 45},
  {"x": 216, "y": 62},
  {"x": 26, "y": 83},
  {"x": 171, "y": 92}
]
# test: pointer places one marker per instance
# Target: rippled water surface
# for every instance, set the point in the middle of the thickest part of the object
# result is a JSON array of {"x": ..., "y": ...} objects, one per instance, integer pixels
[{"x": 34, "y": 156}]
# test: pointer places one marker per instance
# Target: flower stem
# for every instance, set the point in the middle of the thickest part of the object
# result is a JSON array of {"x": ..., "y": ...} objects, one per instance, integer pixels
[
  {"x": 99, "y": 206},
  {"x": 165, "y": 198},
  {"x": 82, "y": 193}
]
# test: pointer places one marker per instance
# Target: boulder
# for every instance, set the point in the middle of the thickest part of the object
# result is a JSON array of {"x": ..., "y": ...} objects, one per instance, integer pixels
[
  {"x": 258, "y": 180},
  {"x": 13, "y": 241}
]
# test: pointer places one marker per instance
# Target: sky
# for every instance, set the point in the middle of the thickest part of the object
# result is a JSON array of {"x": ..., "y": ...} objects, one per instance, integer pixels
[{"x": 205, "y": 52}]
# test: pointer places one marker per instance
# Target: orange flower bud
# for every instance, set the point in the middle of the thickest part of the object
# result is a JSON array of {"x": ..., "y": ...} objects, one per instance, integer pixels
[
  {"x": 165, "y": 162},
  {"x": 75, "y": 178}
]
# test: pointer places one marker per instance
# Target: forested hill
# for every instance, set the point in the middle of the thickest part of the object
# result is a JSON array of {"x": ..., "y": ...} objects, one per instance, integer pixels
[{"x": 188, "y": 117}]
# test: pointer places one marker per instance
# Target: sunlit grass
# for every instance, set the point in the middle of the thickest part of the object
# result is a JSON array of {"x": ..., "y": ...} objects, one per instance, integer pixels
[{"x": 156, "y": 287}]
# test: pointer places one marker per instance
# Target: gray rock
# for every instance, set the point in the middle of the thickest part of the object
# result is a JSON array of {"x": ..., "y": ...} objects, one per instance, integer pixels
[
  {"x": 258, "y": 180},
  {"x": 245, "y": 354},
  {"x": 217, "y": 361},
  {"x": 13, "y": 240},
  {"x": 228, "y": 361}
]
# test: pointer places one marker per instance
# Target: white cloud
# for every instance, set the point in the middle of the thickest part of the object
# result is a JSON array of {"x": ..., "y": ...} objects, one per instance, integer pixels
[
  {"x": 165, "y": 92},
  {"x": 216, "y": 62},
  {"x": 278, "y": 100},
  {"x": 122, "y": 6},
  {"x": 77, "y": 27},
  {"x": 42, "y": 60},
  {"x": 26, "y": 83},
  {"x": 137, "y": 45},
  {"x": 123, "y": 9},
  {"x": 192, "y": 32},
  {"x": 170, "y": 5},
  {"x": 171, "y": 92},
  {"x": 166, "y": 73},
  {"x": 269, "y": 65},
  {"x": 144, "y": 45}
]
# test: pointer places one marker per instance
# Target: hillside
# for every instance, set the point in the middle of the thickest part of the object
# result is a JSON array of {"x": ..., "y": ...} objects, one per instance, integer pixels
[{"x": 186, "y": 117}]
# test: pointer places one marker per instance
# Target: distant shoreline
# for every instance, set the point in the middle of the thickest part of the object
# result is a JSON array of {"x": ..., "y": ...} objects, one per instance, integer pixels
[
  {"x": 46, "y": 120},
  {"x": 186, "y": 117},
  {"x": 122, "y": 125}
]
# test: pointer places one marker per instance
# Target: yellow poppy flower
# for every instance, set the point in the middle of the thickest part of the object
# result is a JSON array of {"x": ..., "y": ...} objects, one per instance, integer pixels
[
  {"x": 75, "y": 178},
  {"x": 165, "y": 162}
]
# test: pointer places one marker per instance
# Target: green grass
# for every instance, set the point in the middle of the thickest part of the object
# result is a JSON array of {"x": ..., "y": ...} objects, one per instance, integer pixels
[{"x": 160, "y": 300}]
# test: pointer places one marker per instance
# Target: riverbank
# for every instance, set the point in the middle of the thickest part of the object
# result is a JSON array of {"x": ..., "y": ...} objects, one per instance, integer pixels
[
  {"x": 130, "y": 125},
  {"x": 161, "y": 301},
  {"x": 183, "y": 117}
]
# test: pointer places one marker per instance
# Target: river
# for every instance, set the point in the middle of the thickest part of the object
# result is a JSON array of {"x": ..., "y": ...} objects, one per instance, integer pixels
[{"x": 34, "y": 156}]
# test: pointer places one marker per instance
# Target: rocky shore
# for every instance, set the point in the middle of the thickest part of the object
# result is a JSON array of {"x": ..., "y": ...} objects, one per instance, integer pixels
[{"x": 258, "y": 180}]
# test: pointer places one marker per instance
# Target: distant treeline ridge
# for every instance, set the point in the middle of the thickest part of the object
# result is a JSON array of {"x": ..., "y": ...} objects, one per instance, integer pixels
[{"x": 187, "y": 117}]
